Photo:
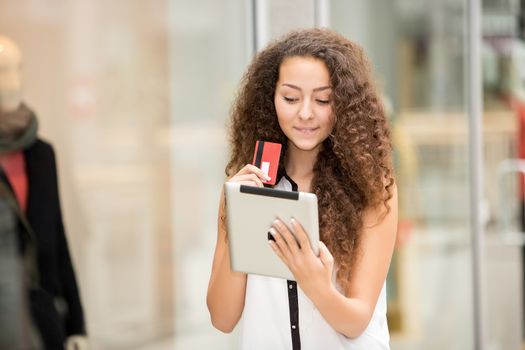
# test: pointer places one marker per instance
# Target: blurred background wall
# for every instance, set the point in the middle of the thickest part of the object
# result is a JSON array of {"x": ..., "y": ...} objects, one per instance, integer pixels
[{"x": 135, "y": 96}]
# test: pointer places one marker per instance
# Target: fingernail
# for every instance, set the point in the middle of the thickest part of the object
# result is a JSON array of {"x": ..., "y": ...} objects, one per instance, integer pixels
[
  {"x": 270, "y": 236},
  {"x": 267, "y": 177},
  {"x": 292, "y": 220}
]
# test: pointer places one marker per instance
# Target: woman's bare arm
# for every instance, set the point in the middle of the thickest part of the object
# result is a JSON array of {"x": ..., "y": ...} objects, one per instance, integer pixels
[{"x": 226, "y": 288}]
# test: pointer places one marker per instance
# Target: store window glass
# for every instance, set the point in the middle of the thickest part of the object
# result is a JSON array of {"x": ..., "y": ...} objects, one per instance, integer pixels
[
  {"x": 96, "y": 74},
  {"x": 210, "y": 46},
  {"x": 134, "y": 96}
]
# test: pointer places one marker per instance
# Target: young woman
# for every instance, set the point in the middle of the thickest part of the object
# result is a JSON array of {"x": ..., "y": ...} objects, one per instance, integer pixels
[{"x": 312, "y": 91}]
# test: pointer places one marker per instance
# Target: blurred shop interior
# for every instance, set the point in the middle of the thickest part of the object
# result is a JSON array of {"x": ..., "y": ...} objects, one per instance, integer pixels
[{"x": 135, "y": 95}]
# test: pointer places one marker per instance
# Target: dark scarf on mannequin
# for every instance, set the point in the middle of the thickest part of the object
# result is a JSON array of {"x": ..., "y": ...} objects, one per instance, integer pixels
[{"x": 18, "y": 129}]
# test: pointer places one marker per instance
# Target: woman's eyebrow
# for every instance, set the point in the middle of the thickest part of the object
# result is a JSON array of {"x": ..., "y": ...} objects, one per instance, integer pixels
[{"x": 299, "y": 89}]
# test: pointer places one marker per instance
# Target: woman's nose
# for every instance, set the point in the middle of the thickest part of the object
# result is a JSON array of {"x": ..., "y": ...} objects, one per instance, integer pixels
[{"x": 306, "y": 110}]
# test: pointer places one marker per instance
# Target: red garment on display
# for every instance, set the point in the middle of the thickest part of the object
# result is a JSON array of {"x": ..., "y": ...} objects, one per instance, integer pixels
[{"x": 14, "y": 166}]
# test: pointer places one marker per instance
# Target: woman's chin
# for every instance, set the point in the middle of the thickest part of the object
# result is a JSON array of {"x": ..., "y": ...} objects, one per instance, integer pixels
[{"x": 307, "y": 146}]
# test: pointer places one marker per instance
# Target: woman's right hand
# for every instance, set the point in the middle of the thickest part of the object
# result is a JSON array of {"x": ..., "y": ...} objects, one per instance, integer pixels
[{"x": 250, "y": 175}]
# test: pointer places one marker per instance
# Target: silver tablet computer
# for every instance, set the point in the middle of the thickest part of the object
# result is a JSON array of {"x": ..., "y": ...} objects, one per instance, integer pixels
[{"x": 250, "y": 212}]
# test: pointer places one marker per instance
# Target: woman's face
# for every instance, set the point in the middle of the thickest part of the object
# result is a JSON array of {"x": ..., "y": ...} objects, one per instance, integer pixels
[{"x": 303, "y": 102}]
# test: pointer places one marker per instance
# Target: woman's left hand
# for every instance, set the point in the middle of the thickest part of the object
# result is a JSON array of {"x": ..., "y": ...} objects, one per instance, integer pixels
[{"x": 312, "y": 273}]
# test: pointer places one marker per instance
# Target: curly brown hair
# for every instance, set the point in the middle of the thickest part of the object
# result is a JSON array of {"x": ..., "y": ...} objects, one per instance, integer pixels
[{"x": 353, "y": 171}]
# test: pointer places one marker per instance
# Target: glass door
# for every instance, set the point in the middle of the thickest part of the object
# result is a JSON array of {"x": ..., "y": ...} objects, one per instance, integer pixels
[{"x": 503, "y": 63}]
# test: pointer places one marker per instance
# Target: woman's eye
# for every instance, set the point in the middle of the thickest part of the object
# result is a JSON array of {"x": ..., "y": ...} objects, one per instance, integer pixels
[
  {"x": 290, "y": 99},
  {"x": 323, "y": 102}
]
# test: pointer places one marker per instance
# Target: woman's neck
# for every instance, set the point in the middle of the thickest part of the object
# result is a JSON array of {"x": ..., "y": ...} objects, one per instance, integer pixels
[{"x": 300, "y": 165}]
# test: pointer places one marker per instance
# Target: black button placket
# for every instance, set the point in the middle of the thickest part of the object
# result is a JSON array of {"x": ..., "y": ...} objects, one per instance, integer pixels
[
  {"x": 294, "y": 314},
  {"x": 293, "y": 301}
]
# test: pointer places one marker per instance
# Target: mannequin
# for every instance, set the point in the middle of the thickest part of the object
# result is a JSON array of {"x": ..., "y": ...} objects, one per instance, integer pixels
[{"x": 29, "y": 171}]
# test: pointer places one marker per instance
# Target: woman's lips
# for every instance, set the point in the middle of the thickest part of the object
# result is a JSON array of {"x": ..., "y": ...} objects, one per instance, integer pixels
[{"x": 306, "y": 131}]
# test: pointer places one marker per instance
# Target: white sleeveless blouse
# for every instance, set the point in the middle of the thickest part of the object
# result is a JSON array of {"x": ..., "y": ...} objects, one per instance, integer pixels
[{"x": 265, "y": 322}]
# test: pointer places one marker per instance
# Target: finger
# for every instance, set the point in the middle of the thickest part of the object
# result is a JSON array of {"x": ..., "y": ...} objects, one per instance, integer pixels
[
  {"x": 324, "y": 254},
  {"x": 281, "y": 243},
  {"x": 261, "y": 174},
  {"x": 300, "y": 234},
  {"x": 287, "y": 236},
  {"x": 250, "y": 177},
  {"x": 247, "y": 177},
  {"x": 252, "y": 169},
  {"x": 277, "y": 251}
]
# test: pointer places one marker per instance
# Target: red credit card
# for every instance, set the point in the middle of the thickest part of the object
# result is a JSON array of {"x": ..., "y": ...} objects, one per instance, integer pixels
[{"x": 266, "y": 158}]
